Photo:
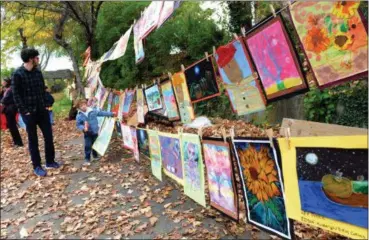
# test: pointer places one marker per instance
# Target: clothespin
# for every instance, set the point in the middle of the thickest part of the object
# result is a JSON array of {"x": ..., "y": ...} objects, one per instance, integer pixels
[
  {"x": 243, "y": 31},
  {"x": 273, "y": 10},
  {"x": 255, "y": 75},
  {"x": 214, "y": 50},
  {"x": 235, "y": 35},
  {"x": 207, "y": 56},
  {"x": 269, "y": 132},
  {"x": 224, "y": 135},
  {"x": 199, "y": 132},
  {"x": 231, "y": 132},
  {"x": 287, "y": 133},
  {"x": 180, "y": 131},
  {"x": 182, "y": 68}
]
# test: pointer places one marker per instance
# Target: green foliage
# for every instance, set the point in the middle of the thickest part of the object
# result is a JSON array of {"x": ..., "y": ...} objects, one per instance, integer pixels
[
  {"x": 6, "y": 72},
  {"x": 62, "y": 105}
]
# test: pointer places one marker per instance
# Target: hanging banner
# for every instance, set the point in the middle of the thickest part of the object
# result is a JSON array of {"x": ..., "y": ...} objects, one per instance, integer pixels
[
  {"x": 137, "y": 41},
  {"x": 135, "y": 150},
  {"x": 140, "y": 106},
  {"x": 151, "y": 18},
  {"x": 166, "y": 12},
  {"x": 127, "y": 137},
  {"x": 102, "y": 142},
  {"x": 128, "y": 99},
  {"x": 183, "y": 97},
  {"x": 121, "y": 46},
  {"x": 169, "y": 100},
  {"x": 155, "y": 153}
]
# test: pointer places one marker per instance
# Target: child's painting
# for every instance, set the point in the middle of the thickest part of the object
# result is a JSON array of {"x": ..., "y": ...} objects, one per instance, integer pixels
[
  {"x": 151, "y": 17},
  {"x": 155, "y": 154},
  {"x": 143, "y": 142},
  {"x": 333, "y": 182},
  {"x": 183, "y": 97},
  {"x": 127, "y": 137},
  {"x": 262, "y": 185},
  {"x": 136, "y": 153},
  {"x": 137, "y": 41},
  {"x": 166, "y": 12},
  {"x": 121, "y": 105},
  {"x": 171, "y": 156},
  {"x": 153, "y": 98},
  {"x": 140, "y": 106},
  {"x": 275, "y": 59},
  {"x": 118, "y": 128},
  {"x": 103, "y": 99},
  {"x": 201, "y": 80},
  {"x": 222, "y": 190},
  {"x": 121, "y": 45},
  {"x": 334, "y": 38},
  {"x": 110, "y": 101},
  {"x": 102, "y": 142},
  {"x": 239, "y": 79},
  {"x": 115, "y": 104},
  {"x": 326, "y": 182},
  {"x": 193, "y": 168},
  {"x": 169, "y": 101},
  {"x": 128, "y": 99}
]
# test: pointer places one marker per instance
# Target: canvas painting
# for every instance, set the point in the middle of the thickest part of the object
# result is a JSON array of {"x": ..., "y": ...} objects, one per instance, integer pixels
[
  {"x": 155, "y": 154},
  {"x": 222, "y": 191},
  {"x": 262, "y": 185},
  {"x": 140, "y": 106},
  {"x": 237, "y": 74},
  {"x": 326, "y": 183},
  {"x": 136, "y": 153},
  {"x": 153, "y": 98},
  {"x": 138, "y": 42},
  {"x": 275, "y": 59},
  {"x": 128, "y": 99},
  {"x": 127, "y": 137},
  {"x": 335, "y": 39},
  {"x": 183, "y": 97},
  {"x": 102, "y": 142},
  {"x": 169, "y": 100},
  {"x": 193, "y": 168},
  {"x": 143, "y": 142},
  {"x": 201, "y": 80},
  {"x": 171, "y": 156}
]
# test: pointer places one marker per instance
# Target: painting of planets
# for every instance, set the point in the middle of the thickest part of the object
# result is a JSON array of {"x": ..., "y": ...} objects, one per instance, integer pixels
[
  {"x": 201, "y": 80},
  {"x": 333, "y": 183}
]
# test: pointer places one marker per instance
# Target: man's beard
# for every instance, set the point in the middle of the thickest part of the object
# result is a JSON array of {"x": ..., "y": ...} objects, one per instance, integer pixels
[{"x": 35, "y": 64}]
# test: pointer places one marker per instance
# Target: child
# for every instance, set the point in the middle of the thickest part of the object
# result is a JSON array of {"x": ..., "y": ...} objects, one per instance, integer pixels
[
  {"x": 49, "y": 104},
  {"x": 87, "y": 122}
]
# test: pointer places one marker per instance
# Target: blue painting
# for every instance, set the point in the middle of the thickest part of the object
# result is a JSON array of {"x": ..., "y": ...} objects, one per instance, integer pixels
[
  {"x": 128, "y": 99},
  {"x": 333, "y": 183},
  {"x": 143, "y": 142},
  {"x": 171, "y": 156},
  {"x": 263, "y": 187}
]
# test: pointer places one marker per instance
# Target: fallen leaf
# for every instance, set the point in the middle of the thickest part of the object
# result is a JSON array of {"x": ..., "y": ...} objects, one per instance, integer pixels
[
  {"x": 23, "y": 233},
  {"x": 167, "y": 205},
  {"x": 130, "y": 191},
  {"x": 153, "y": 221}
]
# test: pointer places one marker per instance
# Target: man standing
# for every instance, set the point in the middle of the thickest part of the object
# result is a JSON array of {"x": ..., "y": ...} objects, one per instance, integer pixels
[{"x": 30, "y": 98}]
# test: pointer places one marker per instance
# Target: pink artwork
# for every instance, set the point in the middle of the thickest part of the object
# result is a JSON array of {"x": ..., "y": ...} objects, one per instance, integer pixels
[
  {"x": 275, "y": 60},
  {"x": 135, "y": 150}
]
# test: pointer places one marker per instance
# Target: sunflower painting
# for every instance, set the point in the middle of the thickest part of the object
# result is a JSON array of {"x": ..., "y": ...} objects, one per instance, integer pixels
[
  {"x": 262, "y": 185},
  {"x": 334, "y": 38}
]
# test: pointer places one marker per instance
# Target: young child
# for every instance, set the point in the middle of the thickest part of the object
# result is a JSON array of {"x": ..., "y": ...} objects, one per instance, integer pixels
[
  {"x": 49, "y": 104},
  {"x": 87, "y": 122}
]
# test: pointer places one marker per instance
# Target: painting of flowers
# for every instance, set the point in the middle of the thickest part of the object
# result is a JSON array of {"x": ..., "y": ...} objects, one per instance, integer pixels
[
  {"x": 262, "y": 185},
  {"x": 334, "y": 38},
  {"x": 171, "y": 156},
  {"x": 275, "y": 59},
  {"x": 223, "y": 195},
  {"x": 169, "y": 100}
]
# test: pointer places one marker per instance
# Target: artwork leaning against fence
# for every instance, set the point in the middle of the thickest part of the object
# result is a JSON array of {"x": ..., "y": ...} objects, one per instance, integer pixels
[
  {"x": 222, "y": 190},
  {"x": 169, "y": 100},
  {"x": 155, "y": 154},
  {"x": 193, "y": 168},
  {"x": 201, "y": 80},
  {"x": 128, "y": 99},
  {"x": 239, "y": 78},
  {"x": 334, "y": 38},
  {"x": 143, "y": 142},
  {"x": 171, "y": 156},
  {"x": 262, "y": 185},
  {"x": 102, "y": 142},
  {"x": 183, "y": 97},
  {"x": 153, "y": 98},
  {"x": 275, "y": 59}
]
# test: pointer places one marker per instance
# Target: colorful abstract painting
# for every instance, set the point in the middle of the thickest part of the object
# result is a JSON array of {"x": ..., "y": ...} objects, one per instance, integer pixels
[
  {"x": 275, "y": 59},
  {"x": 193, "y": 168},
  {"x": 334, "y": 38},
  {"x": 222, "y": 191},
  {"x": 201, "y": 80},
  {"x": 127, "y": 137},
  {"x": 171, "y": 156},
  {"x": 238, "y": 77},
  {"x": 102, "y": 142},
  {"x": 262, "y": 185},
  {"x": 153, "y": 98},
  {"x": 143, "y": 142},
  {"x": 155, "y": 154},
  {"x": 140, "y": 106},
  {"x": 136, "y": 152},
  {"x": 326, "y": 183},
  {"x": 169, "y": 100},
  {"x": 128, "y": 99},
  {"x": 183, "y": 97}
]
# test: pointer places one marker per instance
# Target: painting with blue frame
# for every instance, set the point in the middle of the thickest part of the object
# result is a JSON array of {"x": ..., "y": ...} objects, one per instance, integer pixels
[
  {"x": 333, "y": 183},
  {"x": 262, "y": 183}
]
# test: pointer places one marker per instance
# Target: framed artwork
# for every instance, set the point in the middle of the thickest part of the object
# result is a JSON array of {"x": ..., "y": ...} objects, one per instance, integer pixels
[
  {"x": 326, "y": 182},
  {"x": 128, "y": 99},
  {"x": 201, "y": 80},
  {"x": 155, "y": 153},
  {"x": 335, "y": 39},
  {"x": 193, "y": 168},
  {"x": 262, "y": 185},
  {"x": 169, "y": 100},
  {"x": 183, "y": 97},
  {"x": 127, "y": 137},
  {"x": 143, "y": 142},
  {"x": 222, "y": 189},
  {"x": 102, "y": 142},
  {"x": 171, "y": 156},
  {"x": 140, "y": 106},
  {"x": 136, "y": 153},
  {"x": 239, "y": 78},
  {"x": 153, "y": 98},
  {"x": 275, "y": 60}
]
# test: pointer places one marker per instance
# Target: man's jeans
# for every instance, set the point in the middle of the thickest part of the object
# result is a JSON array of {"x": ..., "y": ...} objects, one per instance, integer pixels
[
  {"x": 89, "y": 141},
  {"x": 42, "y": 119}
]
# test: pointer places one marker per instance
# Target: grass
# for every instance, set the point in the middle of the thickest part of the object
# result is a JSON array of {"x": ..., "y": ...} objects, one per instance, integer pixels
[{"x": 62, "y": 105}]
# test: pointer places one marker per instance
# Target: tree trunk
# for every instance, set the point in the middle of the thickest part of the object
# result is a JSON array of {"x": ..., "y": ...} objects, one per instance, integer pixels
[
  {"x": 79, "y": 85},
  {"x": 23, "y": 38}
]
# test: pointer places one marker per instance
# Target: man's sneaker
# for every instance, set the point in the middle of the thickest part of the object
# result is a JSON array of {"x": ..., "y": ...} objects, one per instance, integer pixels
[
  {"x": 52, "y": 165},
  {"x": 87, "y": 163},
  {"x": 39, "y": 171}
]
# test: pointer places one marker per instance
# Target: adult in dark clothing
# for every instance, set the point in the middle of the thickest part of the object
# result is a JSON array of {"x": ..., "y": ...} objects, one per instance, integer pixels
[
  {"x": 29, "y": 95},
  {"x": 10, "y": 111},
  {"x": 49, "y": 102}
]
